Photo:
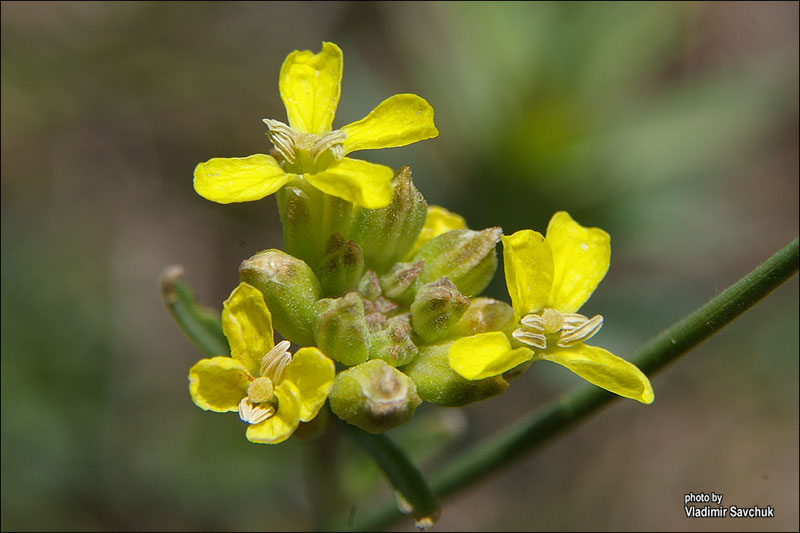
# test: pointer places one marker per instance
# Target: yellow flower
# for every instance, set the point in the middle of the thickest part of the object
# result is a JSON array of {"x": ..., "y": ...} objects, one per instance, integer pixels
[
  {"x": 272, "y": 391},
  {"x": 549, "y": 279},
  {"x": 309, "y": 148}
]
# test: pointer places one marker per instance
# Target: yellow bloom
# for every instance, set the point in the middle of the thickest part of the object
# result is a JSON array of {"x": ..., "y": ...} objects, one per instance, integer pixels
[
  {"x": 310, "y": 149},
  {"x": 272, "y": 390},
  {"x": 549, "y": 279}
]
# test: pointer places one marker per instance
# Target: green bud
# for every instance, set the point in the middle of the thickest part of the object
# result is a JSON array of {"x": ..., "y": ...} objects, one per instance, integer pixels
[
  {"x": 468, "y": 258},
  {"x": 342, "y": 266},
  {"x": 340, "y": 329},
  {"x": 436, "y": 309},
  {"x": 400, "y": 282},
  {"x": 438, "y": 383},
  {"x": 393, "y": 343},
  {"x": 369, "y": 287},
  {"x": 299, "y": 220},
  {"x": 484, "y": 315},
  {"x": 373, "y": 396},
  {"x": 386, "y": 235},
  {"x": 290, "y": 288}
]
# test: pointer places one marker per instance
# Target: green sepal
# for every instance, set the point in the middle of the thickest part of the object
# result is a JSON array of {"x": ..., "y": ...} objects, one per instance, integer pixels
[
  {"x": 373, "y": 396},
  {"x": 290, "y": 289},
  {"x": 467, "y": 258},
  {"x": 340, "y": 328},
  {"x": 342, "y": 266},
  {"x": 400, "y": 283},
  {"x": 436, "y": 309},
  {"x": 387, "y": 235},
  {"x": 438, "y": 383},
  {"x": 369, "y": 287},
  {"x": 299, "y": 219},
  {"x": 393, "y": 343},
  {"x": 484, "y": 315}
]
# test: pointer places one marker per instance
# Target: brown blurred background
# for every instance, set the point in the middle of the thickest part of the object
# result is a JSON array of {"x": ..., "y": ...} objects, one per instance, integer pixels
[{"x": 674, "y": 126}]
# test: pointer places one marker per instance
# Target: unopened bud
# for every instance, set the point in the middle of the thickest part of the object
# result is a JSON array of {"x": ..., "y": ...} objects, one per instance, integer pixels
[
  {"x": 401, "y": 281},
  {"x": 436, "y": 309},
  {"x": 290, "y": 289},
  {"x": 342, "y": 266},
  {"x": 438, "y": 383},
  {"x": 299, "y": 221},
  {"x": 373, "y": 396},
  {"x": 340, "y": 329},
  {"x": 393, "y": 343},
  {"x": 484, "y": 315},
  {"x": 369, "y": 287},
  {"x": 386, "y": 235},
  {"x": 468, "y": 258}
]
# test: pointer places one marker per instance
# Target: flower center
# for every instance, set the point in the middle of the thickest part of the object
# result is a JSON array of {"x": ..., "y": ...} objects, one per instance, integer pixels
[
  {"x": 305, "y": 152},
  {"x": 567, "y": 329},
  {"x": 260, "y": 402}
]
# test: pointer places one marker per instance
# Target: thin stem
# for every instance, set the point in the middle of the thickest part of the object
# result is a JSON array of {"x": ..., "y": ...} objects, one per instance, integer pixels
[{"x": 510, "y": 445}]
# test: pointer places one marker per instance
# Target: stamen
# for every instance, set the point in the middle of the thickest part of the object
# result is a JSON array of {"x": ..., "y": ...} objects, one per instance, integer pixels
[
  {"x": 274, "y": 363},
  {"x": 254, "y": 414},
  {"x": 574, "y": 335},
  {"x": 282, "y": 137},
  {"x": 533, "y": 322},
  {"x": 330, "y": 140},
  {"x": 537, "y": 340}
]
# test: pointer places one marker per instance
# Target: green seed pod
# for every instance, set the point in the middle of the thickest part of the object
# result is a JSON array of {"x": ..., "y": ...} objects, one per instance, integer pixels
[
  {"x": 340, "y": 329},
  {"x": 468, "y": 258},
  {"x": 436, "y": 309},
  {"x": 342, "y": 266},
  {"x": 393, "y": 343},
  {"x": 401, "y": 281},
  {"x": 387, "y": 235},
  {"x": 299, "y": 221},
  {"x": 369, "y": 287},
  {"x": 438, "y": 383},
  {"x": 290, "y": 288},
  {"x": 484, "y": 315},
  {"x": 373, "y": 396}
]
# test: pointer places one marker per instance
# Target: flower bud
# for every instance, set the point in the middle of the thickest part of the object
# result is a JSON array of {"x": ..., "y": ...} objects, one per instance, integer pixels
[
  {"x": 340, "y": 329},
  {"x": 468, "y": 258},
  {"x": 342, "y": 266},
  {"x": 393, "y": 343},
  {"x": 438, "y": 383},
  {"x": 373, "y": 396},
  {"x": 436, "y": 309},
  {"x": 369, "y": 287},
  {"x": 484, "y": 315},
  {"x": 290, "y": 289},
  {"x": 400, "y": 282},
  {"x": 387, "y": 235},
  {"x": 299, "y": 221}
]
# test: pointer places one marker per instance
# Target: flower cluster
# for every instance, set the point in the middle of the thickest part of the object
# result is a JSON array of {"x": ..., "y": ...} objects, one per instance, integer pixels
[{"x": 380, "y": 290}]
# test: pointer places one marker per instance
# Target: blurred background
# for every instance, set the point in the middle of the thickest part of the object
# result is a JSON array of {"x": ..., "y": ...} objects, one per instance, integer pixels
[{"x": 674, "y": 126}]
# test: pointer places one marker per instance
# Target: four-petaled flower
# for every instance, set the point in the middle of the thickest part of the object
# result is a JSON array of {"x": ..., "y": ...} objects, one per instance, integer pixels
[
  {"x": 549, "y": 279},
  {"x": 310, "y": 150},
  {"x": 272, "y": 391}
]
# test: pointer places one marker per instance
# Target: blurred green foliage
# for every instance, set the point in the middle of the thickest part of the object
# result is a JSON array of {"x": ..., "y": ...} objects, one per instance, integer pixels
[{"x": 671, "y": 125}]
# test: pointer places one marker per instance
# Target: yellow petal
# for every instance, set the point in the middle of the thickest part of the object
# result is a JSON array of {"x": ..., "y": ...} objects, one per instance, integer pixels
[
  {"x": 282, "y": 424},
  {"x": 397, "y": 121},
  {"x": 604, "y": 369},
  {"x": 365, "y": 184},
  {"x": 580, "y": 258},
  {"x": 218, "y": 384},
  {"x": 528, "y": 265},
  {"x": 247, "y": 323},
  {"x": 312, "y": 373},
  {"x": 484, "y": 355},
  {"x": 239, "y": 179},
  {"x": 310, "y": 85},
  {"x": 438, "y": 220}
]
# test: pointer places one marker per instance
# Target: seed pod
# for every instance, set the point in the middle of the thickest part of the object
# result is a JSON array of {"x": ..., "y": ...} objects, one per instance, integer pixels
[
  {"x": 342, "y": 266},
  {"x": 436, "y": 309},
  {"x": 393, "y": 343},
  {"x": 340, "y": 329},
  {"x": 290, "y": 288},
  {"x": 468, "y": 259},
  {"x": 373, "y": 396},
  {"x": 386, "y": 235},
  {"x": 438, "y": 383}
]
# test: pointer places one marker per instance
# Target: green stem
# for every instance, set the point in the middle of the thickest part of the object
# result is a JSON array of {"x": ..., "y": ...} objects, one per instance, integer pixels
[{"x": 503, "y": 448}]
